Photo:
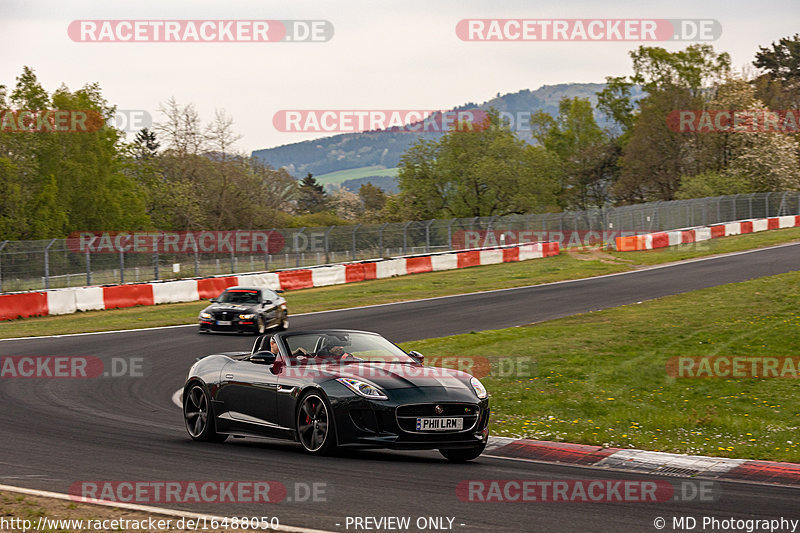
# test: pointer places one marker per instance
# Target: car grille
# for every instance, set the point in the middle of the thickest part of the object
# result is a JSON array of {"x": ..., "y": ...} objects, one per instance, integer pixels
[
  {"x": 407, "y": 415},
  {"x": 225, "y": 315}
]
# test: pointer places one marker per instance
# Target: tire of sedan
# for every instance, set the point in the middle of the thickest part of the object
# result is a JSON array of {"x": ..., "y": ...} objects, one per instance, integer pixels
[
  {"x": 198, "y": 416},
  {"x": 315, "y": 429},
  {"x": 284, "y": 325},
  {"x": 260, "y": 326},
  {"x": 462, "y": 455}
]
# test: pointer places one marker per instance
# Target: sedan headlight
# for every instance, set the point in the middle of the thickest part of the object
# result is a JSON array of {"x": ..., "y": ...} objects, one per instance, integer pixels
[
  {"x": 205, "y": 315},
  {"x": 479, "y": 389},
  {"x": 246, "y": 317},
  {"x": 362, "y": 388}
]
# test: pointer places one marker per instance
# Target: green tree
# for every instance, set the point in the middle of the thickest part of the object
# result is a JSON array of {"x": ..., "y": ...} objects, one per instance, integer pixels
[
  {"x": 311, "y": 196},
  {"x": 588, "y": 155},
  {"x": 486, "y": 171},
  {"x": 779, "y": 86}
]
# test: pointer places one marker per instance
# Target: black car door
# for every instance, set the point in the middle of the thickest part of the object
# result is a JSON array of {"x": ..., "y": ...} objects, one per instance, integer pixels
[{"x": 249, "y": 393}]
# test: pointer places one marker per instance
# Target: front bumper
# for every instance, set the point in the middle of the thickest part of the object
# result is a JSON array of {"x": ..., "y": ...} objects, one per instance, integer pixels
[
  {"x": 235, "y": 326},
  {"x": 390, "y": 423}
]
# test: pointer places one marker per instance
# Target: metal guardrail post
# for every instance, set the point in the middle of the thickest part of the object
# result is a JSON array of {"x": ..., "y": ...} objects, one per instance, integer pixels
[
  {"x": 2, "y": 245},
  {"x": 155, "y": 256},
  {"x": 89, "y": 261},
  {"x": 380, "y": 238},
  {"x": 450, "y": 234},
  {"x": 327, "y": 246},
  {"x": 405, "y": 237},
  {"x": 47, "y": 264},
  {"x": 355, "y": 229},
  {"x": 233, "y": 252},
  {"x": 296, "y": 243}
]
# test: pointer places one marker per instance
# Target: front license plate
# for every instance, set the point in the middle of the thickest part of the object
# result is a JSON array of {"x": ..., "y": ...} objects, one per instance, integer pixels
[
  {"x": 440, "y": 424},
  {"x": 223, "y": 322}
]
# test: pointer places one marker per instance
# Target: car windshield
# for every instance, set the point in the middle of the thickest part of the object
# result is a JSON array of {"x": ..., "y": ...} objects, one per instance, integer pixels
[
  {"x": 321, "y": 348},
  {"x": 239, "y": 296}
]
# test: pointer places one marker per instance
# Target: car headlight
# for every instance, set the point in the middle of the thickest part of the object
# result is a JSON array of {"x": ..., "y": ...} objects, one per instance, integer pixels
[
  {"x": 205, "y": 315},
  {"x": 362, "y": 388},
  {"x": 479, "y": 389},
  {"x": 245, "y": 317}
]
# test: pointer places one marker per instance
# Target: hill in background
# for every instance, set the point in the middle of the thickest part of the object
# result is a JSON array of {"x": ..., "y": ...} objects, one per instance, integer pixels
[{"x": 354, "y": 158}]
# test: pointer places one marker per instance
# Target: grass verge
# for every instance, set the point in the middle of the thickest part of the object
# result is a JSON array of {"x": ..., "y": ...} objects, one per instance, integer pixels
[
  {"x": 572, "y": 264},
  {"x": 61, "y": 516},
  {"x": 600, "y": 378}
]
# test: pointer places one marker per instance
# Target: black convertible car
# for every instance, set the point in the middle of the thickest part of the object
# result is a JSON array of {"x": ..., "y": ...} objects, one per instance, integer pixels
[
  {"x": 245, "y": 310},
  {"x": 330, "y": 388}
]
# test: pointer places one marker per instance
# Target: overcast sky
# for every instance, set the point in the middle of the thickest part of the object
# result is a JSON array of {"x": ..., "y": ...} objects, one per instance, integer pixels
[{"x": 383, "y": 55}]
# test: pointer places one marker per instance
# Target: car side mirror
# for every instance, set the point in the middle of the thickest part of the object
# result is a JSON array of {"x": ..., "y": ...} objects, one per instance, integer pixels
[
  {"x": 212, "y": 300},
  {"x": 263, "y": 358},
  {"x": 416, "y": 355},
  {"x": 267, "y": 302},
  {"x": 279, "y": 291}
]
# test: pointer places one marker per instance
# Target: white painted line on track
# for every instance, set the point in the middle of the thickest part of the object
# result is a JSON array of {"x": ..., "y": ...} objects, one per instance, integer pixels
[
  {"x": 578, "y": 280},
  {"x": 143, "y": 508},
  {"x": 176, "y": 398}
]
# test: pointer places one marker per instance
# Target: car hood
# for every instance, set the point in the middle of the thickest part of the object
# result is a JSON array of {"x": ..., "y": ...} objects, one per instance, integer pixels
[
  {"x": 236, "y": 308},
  {"x": 390, "y": 376}
]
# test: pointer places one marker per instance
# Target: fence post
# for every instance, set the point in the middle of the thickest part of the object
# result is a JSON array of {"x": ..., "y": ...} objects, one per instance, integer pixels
[
  {"x": 450, "y": 234},
  {"x": 2, "y": 245},
  {"x": 233, "y": 252},
  {"x": 89, "y": 261},
  {"x": 196, "y": 261},
  {"x": 47, "y": 264},
  {"x": 355, "y": 229},
  {"x": 267, "y": 251},
  {"x": 428, "y": 236},
  {"x": 155, "y": 256},
  {"x": 405, "y": 237},
  {"x": 327, "y": 248},
  {"x": 121, "y": 267},
  {"x": 296, "y": 244},
  {"x": 380, "y": 239}
]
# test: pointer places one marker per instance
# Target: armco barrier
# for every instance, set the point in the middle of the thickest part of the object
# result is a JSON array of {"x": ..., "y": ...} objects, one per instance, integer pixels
[
  {"x": 649, "y": 241},
  {"x": 418, "y": 265},
  {"x": 169, "y": 292},
  {"x": 23, "y": 305},
  {"x": 61, "y": 302},
  {"x": 127, "y": 295},
  {"x": 331, "y": 275},
  {"x": 89, "y": 298},
  {"x": 444, "y": 262},
  {"x": 296, "y": 279},
  {"x": 64, "y": 301}
]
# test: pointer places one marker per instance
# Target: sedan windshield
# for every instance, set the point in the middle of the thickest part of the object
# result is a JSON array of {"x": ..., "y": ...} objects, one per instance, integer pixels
[
  {"x": 321, "y": 348},
  {"x": 239, "y": 296}
]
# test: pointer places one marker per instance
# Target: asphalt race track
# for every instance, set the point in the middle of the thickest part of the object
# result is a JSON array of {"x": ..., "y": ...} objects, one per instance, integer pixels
[{"x": 56, "y": 432}]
